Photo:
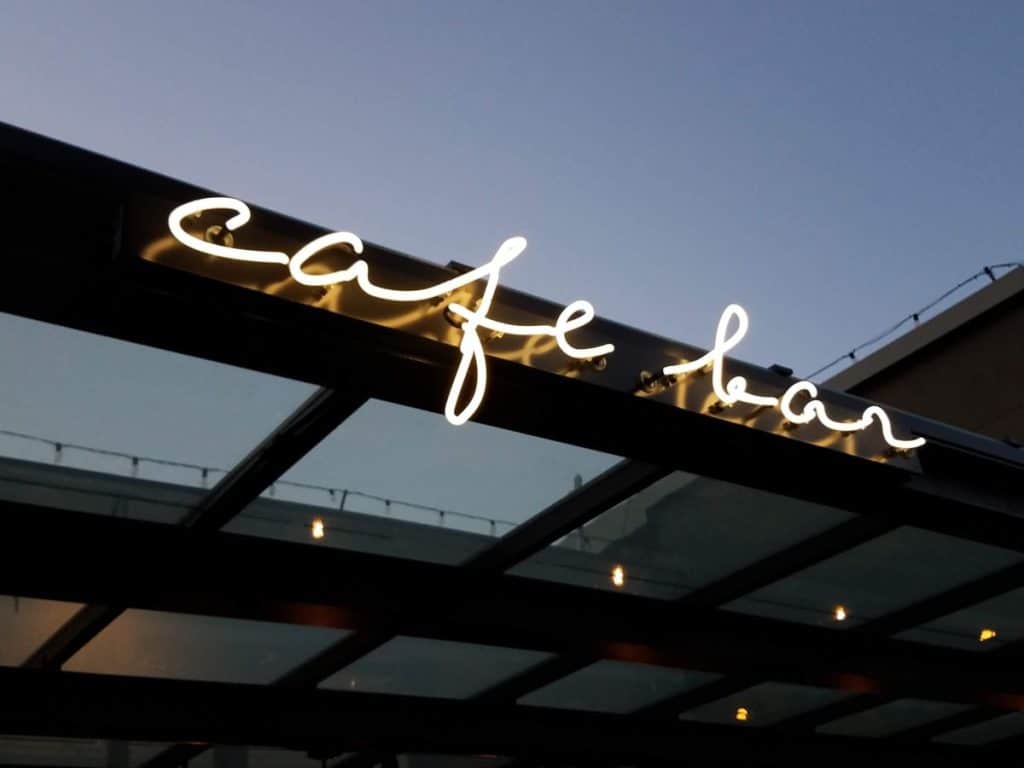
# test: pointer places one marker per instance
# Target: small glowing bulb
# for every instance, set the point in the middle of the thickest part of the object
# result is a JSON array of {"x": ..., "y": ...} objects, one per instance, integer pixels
[
  {"x": 986, "y": 634},
  {"x": 618, "y": 575},
  {"x": 839, "y": 614},
  {"x": 318, "y": 529},
  {"x": 742, "y": 713}
]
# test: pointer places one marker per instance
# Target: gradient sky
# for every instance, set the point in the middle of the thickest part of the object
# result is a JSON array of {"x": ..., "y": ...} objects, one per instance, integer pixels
[{"x": 830, "y": 166}]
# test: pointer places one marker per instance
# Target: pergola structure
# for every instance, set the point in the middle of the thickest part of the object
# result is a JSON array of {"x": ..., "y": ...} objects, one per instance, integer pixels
[{"x": 737, "y": 544}]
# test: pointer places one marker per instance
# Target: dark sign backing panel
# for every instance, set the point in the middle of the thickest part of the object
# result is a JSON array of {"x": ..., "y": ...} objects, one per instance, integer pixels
[{"x": 633, "y": 367}]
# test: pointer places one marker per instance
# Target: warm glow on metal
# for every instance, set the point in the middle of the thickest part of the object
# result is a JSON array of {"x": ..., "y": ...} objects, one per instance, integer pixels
[
  {"x": 477, "y": 327},
  {"x": 742, "y": 714},
  {"x": 318, "y": 529},
  {"x": 839, "y": 614},
  {"x": 618, "y": 576},
  {"x": 986, "y": 634},
  {"x": 576, "y": 315},
  {"x": 735, "y": 389}
]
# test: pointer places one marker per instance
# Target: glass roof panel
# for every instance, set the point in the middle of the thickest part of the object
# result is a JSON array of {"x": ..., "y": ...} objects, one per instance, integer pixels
[
  {"x": 616, "y": 686},
  {"x": 681, "y": 533},
  {"x": 765, "y": 704},
  {"x": 399, "y": 481},
  {"x": 252, "y": 757},
  {"x": 1004, "y": 615},
  {"x": 412, "y": 666},
  {"x": 74, "y": 753},
  {"x": 27, "y": 623},
  {"x": 875, "y": 578},
  {"x": 105, "y": 426},
  {"x": 996, "y": 729},
  {"x": 891, "y": 718},
  {"x": 187, "y": 647}
]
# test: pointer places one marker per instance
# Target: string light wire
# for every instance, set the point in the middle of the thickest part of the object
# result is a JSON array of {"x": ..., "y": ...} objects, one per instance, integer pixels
[{"x": 915, "y": 317}]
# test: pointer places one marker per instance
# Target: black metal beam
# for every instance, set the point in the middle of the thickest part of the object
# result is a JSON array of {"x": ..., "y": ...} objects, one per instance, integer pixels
[
  {"x": 921, "y": 612},
  {"x": 603, "y": 492},
  {"x": 313, "y": 420},
  {"x": 789, "y": 561},
  {"x": 950, "y": 601},
  {"x": 568, "y": 513},
  {"x": 806, "y": 554},
  {"x": 245, "y": 577},
  {"x": 326, "y": 723},
  {"x": 928, "y": 731},
  {"x": 766, "y": 571},
  {"x": 593, "y": 498},
  {"x": 70, "y": 638},
  {"x": 301, "y": 432},
  {"x": 807, "y": 721}
]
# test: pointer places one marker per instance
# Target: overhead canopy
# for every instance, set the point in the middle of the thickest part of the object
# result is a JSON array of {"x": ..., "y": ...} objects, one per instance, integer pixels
[{"x": 589, "y": 570}]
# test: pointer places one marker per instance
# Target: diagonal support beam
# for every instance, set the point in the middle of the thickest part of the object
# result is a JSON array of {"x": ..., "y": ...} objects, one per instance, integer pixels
[
  {"x": 313, "y": 420},
  {"x": 928, "y": 609},
  {"x": 296, "y": 436},
  {"x": 327, "y": 723},
  {"x": 568, "y": 513},
  {"x": 611, "y": 487},
  {"x": 770, "y": 569}
]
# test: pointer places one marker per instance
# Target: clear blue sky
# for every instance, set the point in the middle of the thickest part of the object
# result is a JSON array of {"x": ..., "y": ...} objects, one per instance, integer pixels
[{"x": 831, "y": 166}]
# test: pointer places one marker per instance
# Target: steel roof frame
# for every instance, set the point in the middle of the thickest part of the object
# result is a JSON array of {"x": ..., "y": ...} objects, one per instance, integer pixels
[{"x": 80, "y": 277}]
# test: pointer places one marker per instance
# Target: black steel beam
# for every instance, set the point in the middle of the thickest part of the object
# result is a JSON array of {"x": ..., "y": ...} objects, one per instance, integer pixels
[
  {"x": 928, "y": 731},
  {"x": 921, "y": 612},
  {"x": 807, "y": 721},
  {"x": 313, "y": 420},
  {"x": 950, "y": 601},
  {"x": 789, "y": 561},
  {"x": 70, "y": 638},
  {"x": 301, "y": 432},
  {"x": 808, "y": 553},
  {"x": 327, "y": 723},
  {"x": 567, "y": 514},
  {"x": 245, "y": 577},
  {"x": 770, "y": 569}
]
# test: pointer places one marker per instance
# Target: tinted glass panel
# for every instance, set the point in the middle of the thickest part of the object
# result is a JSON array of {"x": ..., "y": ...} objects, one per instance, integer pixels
[
  {"x": 1003, "y": 615},
  {"x": 765, "y": 704},
  {"x": 891, "y": 718},
  {"x": 171, "y": 645},
  {"x": 615, "y": 686},
  {"x": 998, "y": 728},
  {"x": 400, "y": 481},
  {"x": 877, "y": 577},
  {"x": 25, "y": 624},
  {"x": 76, "y": 401},
  {"x": 74, "y": 753},
  {"x": 422, "y": 667},
  {"x": 679, "y": 534}
]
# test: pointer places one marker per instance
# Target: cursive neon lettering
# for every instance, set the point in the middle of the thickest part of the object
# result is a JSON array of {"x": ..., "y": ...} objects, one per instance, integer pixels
[
  {"x": 736, "y": 390},
  {"x": 240, "y": 218},
  {"x": 575, "y": 316}
]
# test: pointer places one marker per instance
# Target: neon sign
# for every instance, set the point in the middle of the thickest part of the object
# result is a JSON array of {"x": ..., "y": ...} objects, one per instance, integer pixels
[
  {"x": 471, "y": 321},
  {"x": 574, "y": 316},
  {"x": 735, "y": 390}
]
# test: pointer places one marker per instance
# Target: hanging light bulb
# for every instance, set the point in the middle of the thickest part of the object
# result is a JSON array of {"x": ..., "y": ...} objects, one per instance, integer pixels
[{"x": 618, "y": 576}]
